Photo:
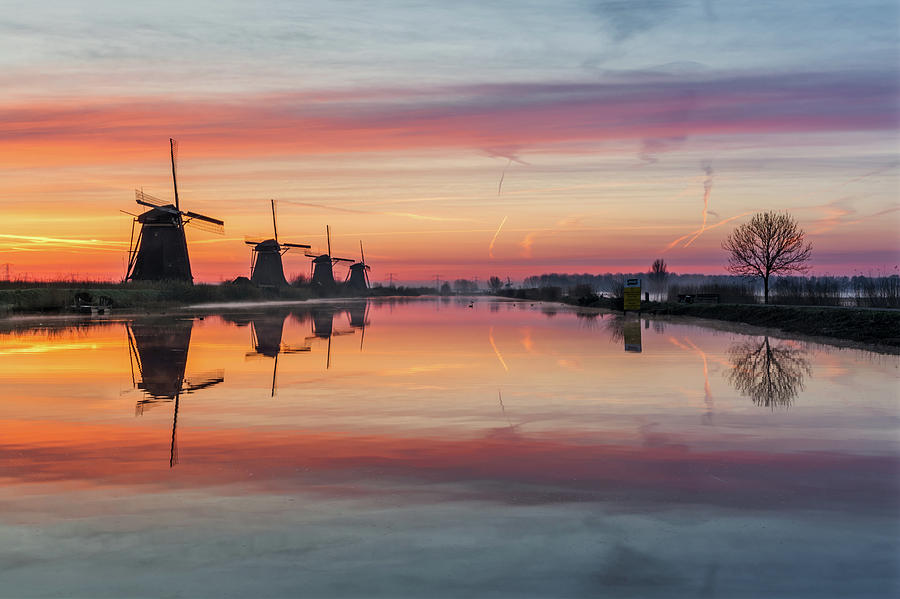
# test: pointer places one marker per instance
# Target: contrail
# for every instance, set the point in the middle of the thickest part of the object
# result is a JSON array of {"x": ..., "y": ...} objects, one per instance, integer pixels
[
  {"x": 358, "y": 211},
  {"x": 503, "y": 174},
  {"x": 491, "y": 247},
  {"x": 698, "y": 231},
  {"x": 707, "y": 188}
]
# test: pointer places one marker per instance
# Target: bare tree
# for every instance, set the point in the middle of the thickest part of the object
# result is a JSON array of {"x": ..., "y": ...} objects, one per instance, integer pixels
[
  {"x": 495, "y": 283},
  {"x": 771, "y": 243},
  {"x": 658, "y": 274}
]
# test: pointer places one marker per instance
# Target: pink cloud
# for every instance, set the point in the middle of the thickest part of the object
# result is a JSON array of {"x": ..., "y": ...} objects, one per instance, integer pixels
[{"x": 483, "y": 116}]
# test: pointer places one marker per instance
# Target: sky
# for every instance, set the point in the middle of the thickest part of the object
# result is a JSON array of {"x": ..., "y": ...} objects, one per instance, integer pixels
[{"x": 453, "y": 139}]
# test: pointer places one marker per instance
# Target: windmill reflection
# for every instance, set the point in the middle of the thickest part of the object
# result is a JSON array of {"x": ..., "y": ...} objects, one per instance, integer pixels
[
  {"x": 159, "y": 350},
  {"x": 770, "y": 374},
  {"x": 266, "y": 332},
  {"x": 323, "y": 328},
  {"x": 359, "y": 319}
]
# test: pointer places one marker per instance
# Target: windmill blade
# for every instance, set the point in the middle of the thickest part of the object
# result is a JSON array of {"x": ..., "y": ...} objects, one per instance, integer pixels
[
  {"x": 295, "y": 245},
  {"x": 248, "y": 242},
  {"x": 274, "y": 224},
  {"x": 205, "y": 226},
  {"x": 308, "y": 255},
  {"x": 173, "y": 149},
  {"x": 166, "y": 208},
  {"x": 205, "y": 223},
  {"x": 148, "y": 200},
  {"x": 362, "y": 254},
  {"x": 203, "y": 217},
  {"x": 328, "y": 238},
  {"x": 342, "y": 260}
]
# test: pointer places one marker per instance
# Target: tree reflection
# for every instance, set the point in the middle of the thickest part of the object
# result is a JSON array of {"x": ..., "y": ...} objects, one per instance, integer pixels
[{"x": 770, "y": 374}]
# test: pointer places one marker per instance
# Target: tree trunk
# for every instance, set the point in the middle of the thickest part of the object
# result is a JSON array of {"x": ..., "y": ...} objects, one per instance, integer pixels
[{"x": 766, "y": 290}]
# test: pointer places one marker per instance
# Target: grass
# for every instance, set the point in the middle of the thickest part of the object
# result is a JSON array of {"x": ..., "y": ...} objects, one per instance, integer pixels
[
  {"x": 871, "y": 326},
  {"x": 22, "y": 297},
  {"x": 881, "y": 327}
]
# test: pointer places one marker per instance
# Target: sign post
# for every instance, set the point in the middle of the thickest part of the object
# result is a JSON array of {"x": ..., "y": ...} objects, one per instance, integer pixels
[{"x": 632, "y": 295}]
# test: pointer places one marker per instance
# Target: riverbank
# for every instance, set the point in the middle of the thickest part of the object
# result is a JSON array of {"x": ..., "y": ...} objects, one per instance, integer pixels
[
  {"x": 118, "y": 297},
  {"x": 862, "y": 325},
  {"x": 871, "y": 326}
]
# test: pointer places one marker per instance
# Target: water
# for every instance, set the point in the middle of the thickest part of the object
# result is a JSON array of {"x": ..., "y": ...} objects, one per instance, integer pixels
[{"x": 432, "y": 448}]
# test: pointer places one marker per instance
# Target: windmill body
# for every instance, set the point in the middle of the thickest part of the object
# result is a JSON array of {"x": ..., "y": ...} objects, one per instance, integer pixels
[
  {"x": 323, "y": 265},
  {"x": 160, "y": 251},
  {"x": 358, "y": 277},
  {"x": 268, "y": 269},
  {"x": 323, "y": 271}
]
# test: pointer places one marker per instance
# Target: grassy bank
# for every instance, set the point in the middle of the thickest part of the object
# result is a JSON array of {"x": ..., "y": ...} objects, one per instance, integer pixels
[
  {"x": 860, "y": 325},
  {"x": 874, "y": 326},
  {"x": 58, "y": 298}
]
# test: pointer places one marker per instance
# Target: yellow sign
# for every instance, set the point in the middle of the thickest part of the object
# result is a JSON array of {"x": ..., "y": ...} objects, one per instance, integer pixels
[{"x": 633, "y": 294}]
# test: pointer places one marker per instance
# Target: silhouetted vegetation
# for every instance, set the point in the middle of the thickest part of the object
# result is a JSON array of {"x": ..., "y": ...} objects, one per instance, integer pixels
[
  {"x": 771, "y": 243},
  {"x": 659, "y": 272},
  {"x": 876, "y": 291},
  {"x": 465, "y": 286},
  {"x": 734, "y": 291},
  {"x": 809, "y": 291},
  {"x": 68, "y": 296}
]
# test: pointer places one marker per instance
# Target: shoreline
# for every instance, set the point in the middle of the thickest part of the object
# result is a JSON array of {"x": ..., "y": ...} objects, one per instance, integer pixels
[{"x": 874, "y": 328}]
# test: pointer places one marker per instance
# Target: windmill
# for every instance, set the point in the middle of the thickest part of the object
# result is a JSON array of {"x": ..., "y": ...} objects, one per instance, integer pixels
[
  {"x": 266, "y": 332},
  {"x": 323, "y": 265},
  {"x": 267, "y": 268},
  {"x": 358, "y": 276},
  {"x": 159, "y": 349},
  {"x": 160, "y": 250}
]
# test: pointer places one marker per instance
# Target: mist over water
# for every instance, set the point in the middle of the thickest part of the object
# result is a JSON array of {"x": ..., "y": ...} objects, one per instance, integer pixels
[{"x": 443, "y": 447}]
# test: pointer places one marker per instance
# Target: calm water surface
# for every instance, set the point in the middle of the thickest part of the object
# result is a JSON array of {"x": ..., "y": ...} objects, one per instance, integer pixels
[{"x": 429, "y": 448}]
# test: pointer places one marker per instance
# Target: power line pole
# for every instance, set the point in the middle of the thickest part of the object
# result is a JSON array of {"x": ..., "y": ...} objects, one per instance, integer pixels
[{"x": 391, "y": 279}]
